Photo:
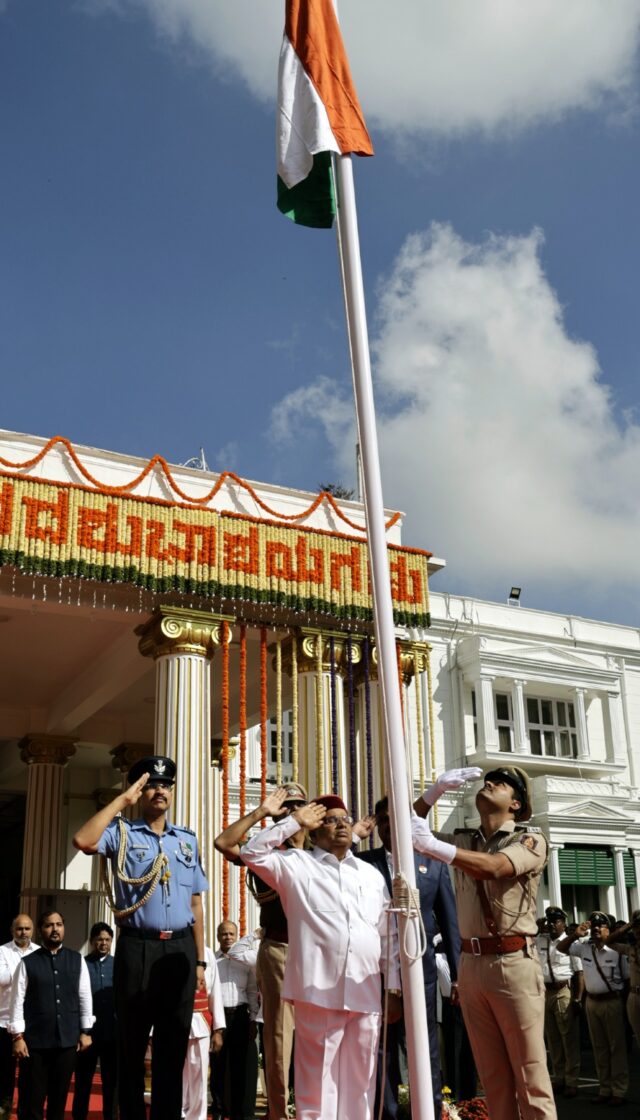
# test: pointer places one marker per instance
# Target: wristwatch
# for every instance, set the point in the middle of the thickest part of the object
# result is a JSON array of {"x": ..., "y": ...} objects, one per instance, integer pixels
[{"x": 201, "y": 964}]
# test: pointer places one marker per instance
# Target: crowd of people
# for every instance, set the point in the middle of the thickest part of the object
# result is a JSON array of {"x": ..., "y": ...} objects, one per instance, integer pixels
[{"x": 504, "y": 989}]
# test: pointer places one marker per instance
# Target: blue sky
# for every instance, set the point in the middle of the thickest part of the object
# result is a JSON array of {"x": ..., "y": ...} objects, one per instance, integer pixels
[{"x": 152, "y": 299}]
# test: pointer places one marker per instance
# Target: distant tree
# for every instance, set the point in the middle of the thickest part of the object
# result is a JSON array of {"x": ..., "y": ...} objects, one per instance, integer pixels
[{"x": 337, "y": 490}]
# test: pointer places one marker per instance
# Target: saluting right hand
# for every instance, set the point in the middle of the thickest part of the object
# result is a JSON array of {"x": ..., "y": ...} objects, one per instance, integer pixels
[
  {"x": 583, "y": 929},
  {"x": 274, "y": 801},
  {"x": 132, "y": 795},
  {"x": 310, "y": 816}
]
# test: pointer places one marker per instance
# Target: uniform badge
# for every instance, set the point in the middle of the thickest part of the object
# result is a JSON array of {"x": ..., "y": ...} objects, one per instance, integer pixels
[
  {"x": 422, "y": 869},
  {"x": 187, "y": 850},
  {"x": 530, "y": 842}
]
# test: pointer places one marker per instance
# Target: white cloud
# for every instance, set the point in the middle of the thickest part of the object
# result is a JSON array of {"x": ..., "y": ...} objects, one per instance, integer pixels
[
  {"x": 446, "y": 66},
  {"x": 497, "y": 435}
]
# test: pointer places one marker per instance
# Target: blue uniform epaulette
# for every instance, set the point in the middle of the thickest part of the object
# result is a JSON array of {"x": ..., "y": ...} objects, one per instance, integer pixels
[{"x": 183, "y": 828}]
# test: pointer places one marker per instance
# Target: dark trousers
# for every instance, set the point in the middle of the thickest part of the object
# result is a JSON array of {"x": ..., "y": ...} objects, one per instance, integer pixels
[
  {"x": 85, "y": 1069},
  {"x": 234, "y": 1069},
  {"x": 460, "y": 1067},
  {"x": 48, "y": 1073},
  {"x": 389, "y": 1074},
  {"x": 8, "y": 1077},
  {"x": 154, "y": 985}
]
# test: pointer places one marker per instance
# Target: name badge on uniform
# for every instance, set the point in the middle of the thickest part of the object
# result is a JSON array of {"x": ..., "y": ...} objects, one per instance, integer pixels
[{"x": 187, "y": 850}]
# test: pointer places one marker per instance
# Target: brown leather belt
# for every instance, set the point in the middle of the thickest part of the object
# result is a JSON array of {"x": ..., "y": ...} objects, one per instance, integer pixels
[
  {"x": 556, "y": 985},
  {"x": 483, "y": 946},
  {"x": 601, "y": 996}
]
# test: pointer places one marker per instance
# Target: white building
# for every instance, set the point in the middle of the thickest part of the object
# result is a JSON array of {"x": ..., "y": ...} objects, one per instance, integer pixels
[{"x": 147, "y": 608}]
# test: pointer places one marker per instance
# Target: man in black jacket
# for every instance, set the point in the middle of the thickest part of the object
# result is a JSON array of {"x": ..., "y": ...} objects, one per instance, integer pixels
[
  {"x": 438, "y": 908},
  {"x": 103, "y": 1035},
  {"x": 50, "y": 1016}
]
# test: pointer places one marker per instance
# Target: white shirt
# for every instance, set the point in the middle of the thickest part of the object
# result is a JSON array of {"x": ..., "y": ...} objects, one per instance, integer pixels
[
  {"x": 614, "y": 967},
  {"x": 338, "y": 922},
  {"x": 556, "y": 966},
  {"x": 199, "y": 1025},
  {"x": 10, "y": 957},
  {"x": 238, "y": 983},
  {"x": 19, "y": 987}
]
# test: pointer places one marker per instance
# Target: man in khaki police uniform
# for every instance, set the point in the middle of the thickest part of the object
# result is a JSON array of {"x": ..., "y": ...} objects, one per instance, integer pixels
[
  {"x": 605, "y": 973},
  {"x": 563, "y": 983},
  {"x": 502, "y": 993},
  {"x": 632, "y": 952}
]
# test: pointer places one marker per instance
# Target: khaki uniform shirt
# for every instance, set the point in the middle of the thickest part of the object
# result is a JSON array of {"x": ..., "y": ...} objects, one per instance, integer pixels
[
  {"x": 513, "y": 901},
  {"x": 632, "y": 953}
]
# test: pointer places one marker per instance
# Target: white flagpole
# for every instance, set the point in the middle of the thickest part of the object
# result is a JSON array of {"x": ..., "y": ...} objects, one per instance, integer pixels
[{"x": 415, "y": 1012}]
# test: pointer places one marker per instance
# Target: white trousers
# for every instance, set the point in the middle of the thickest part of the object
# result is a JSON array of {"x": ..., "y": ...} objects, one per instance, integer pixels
[
  {"x": 335, "y": 1063},
  {"x": 194, "y": 1079}
]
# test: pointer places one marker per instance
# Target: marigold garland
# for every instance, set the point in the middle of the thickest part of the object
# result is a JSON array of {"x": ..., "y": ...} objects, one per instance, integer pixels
[
  {"x": 242, "y": 725},
  {"x": 63, "y": 530},
  {"x": 225, "y": 759},
  {"x": 432, "y": 731},
  {"x": 366, "y": 655},
  {"x": 279, "y": 713},
  {"x": 157, "y": 461},
  {"x": 419, "y": 721},
  {"x": 319, "y": 718},
  {"x": 294, "y": 710},
  {"x": 263, "y": 716},
  {"x": 353, "y": 765},
  {"x": 334, "y": 714}
]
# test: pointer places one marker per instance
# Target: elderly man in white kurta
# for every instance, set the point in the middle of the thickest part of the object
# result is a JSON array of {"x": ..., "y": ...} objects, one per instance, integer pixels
[{"x": 341, "y": 941}]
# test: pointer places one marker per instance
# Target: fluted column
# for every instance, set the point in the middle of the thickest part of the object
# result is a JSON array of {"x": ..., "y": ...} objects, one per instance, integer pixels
[
  {"x": 182, "y": 643},
  {"x": 521, "y": 743},
  {"x": 635, "y": 891},
  {"x": 553, "y": 866},
  {"x": 582, "y": 734},
  {"x": 314, "y": 708},
  {"x": 377, "y": 731},
  {"x": 46, "y": 757},
  {"x": 620, "y": 889},
  {"x": 485, "y": 714},
  {"x": 614, "y": 728},
  {"x": 417, "y": 730}
]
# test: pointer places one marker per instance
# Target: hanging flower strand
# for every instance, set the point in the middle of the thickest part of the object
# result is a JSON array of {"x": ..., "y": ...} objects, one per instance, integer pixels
[
  {"x": 334, "y": 716},
  {"x": 243, "y": 767},
  {"x": 353, "y": 765},
  {"x": 263, "y": 716},
  {"x": 225, "y": 761}
]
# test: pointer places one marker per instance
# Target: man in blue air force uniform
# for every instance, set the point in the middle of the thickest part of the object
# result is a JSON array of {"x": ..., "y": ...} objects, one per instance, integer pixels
[{"x": 158, "y": 880}]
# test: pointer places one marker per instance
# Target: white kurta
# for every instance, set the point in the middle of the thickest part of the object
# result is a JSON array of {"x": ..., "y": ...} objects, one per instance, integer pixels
[
  {"x": 338, "y": 923},
  {"x": 341, "y": 940},
  {"x": 10, "y": 957}
]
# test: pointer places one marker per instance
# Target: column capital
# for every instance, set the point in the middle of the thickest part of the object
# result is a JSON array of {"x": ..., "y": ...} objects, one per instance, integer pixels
[
  {"x": 308, "y": 651},
  {"x": 554, "y": 846},
  {"x": 178, "y": 630},
  {"x": 413, "y": 656},
  {"x": 217, "y": 747},
  {"x": 125, "y": 754},
  {"x": 56, "y": 749}
]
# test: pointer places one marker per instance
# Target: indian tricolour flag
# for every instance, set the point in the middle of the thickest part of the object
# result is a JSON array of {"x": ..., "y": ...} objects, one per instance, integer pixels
[{"x": 318, "y": 112}]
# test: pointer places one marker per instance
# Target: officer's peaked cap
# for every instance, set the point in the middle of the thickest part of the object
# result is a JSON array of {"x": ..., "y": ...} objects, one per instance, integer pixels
[
  {"x": 519, "y": 782},
  {"x": 156, "y": 766},
  {"x": 555, "y": 912},
  {"x": 295, "y": 792},
  {"x": 599, "y": 919}
]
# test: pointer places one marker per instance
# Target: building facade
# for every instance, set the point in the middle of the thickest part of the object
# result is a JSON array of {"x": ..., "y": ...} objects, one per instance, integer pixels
[{"x": 147, "y": 608}]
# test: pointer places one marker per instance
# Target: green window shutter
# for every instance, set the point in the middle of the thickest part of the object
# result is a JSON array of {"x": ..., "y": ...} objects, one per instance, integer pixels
[
  {"x": 629, "y": 870},
  {"x": 586, "y": 866}
]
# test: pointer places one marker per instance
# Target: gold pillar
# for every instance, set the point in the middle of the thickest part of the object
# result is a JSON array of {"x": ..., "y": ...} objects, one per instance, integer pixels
[
  {"x": 46, "y": 757},
  {"x": 314, "y": 707},
  {"x": 182, "y": 643}
]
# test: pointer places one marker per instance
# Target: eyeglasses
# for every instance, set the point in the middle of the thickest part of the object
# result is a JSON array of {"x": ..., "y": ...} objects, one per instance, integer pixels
[
  {"x": 337, "y": 820},
  {"x": 157, "y": 783}
]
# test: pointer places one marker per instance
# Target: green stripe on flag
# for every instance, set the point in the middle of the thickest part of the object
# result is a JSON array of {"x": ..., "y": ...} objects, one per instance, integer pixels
[{"x": 313, "y": 201}]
